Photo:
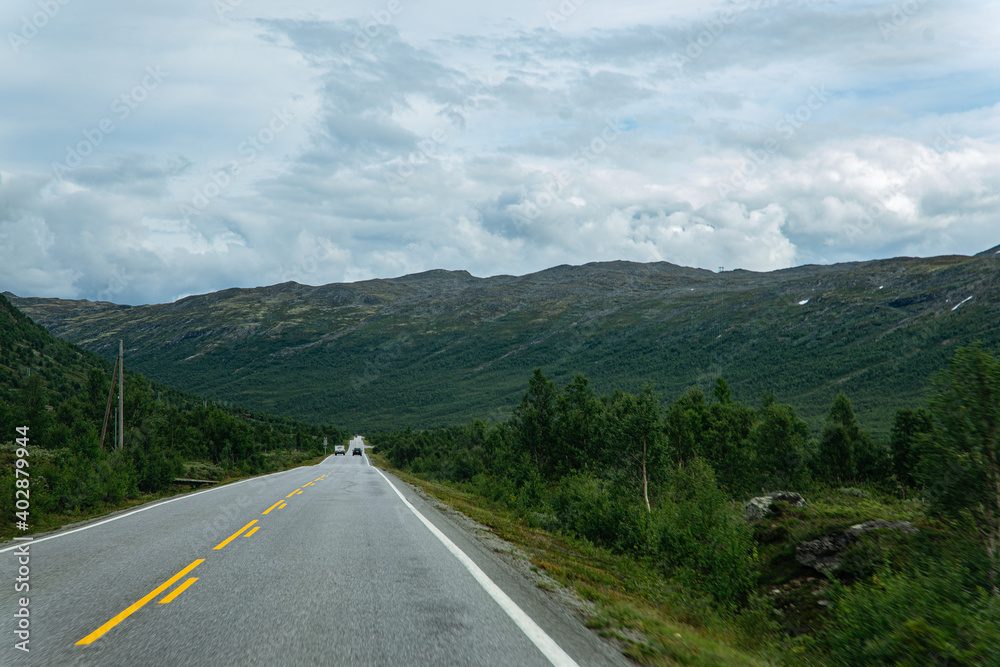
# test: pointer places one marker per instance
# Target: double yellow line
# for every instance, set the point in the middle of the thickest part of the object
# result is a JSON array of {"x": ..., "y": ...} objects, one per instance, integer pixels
[
  {"x": 235, "y": 535},
  {"x": 99, "y": 632},
  {"x": 139, "y": 604}
]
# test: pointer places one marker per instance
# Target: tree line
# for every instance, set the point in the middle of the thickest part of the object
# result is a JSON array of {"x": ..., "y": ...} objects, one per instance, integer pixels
[
  {"x": 60, "y": 393},
  {"x": 666, "y": 482}
]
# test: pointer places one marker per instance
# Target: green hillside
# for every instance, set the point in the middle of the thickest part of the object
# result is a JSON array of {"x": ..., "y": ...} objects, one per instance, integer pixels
[
  {"x": 440, "y": 347},
  {"x": 59, "y": 392}
]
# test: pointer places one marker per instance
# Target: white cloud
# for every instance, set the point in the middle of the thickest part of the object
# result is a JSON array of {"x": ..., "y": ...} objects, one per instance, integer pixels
[{"x": 480, "y": 138}]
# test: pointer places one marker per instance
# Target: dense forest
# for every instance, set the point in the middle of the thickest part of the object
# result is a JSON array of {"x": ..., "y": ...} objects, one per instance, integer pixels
[
  {"x": 667, "y": 485},
  {"x": 60, "y": 393}
]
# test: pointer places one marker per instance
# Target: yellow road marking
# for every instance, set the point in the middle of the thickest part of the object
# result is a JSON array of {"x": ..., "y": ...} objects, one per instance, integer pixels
[
  {"x": 234, "y": 535},
  {"x": 282, "y": 505},
  {"x": 272, "y": 507},
  {"x": 319, "y": 478},
  {"x": 255, "y": 529},
  {"x": 168, "y": 598},
  {"x": 309, "y": 484},
  {"x": 99, "y": 632},
  {"x": 293, "y": 493}
]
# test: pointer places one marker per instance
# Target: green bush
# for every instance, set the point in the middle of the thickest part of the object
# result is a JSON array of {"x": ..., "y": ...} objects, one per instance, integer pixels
[
  {"x": 702, "y": 539},
  {"x": 155, "y": 468},
  {"x": 79, "y": 483},
  {"x": 913, "y": 618},
  {"x": 584, "y": 506}
]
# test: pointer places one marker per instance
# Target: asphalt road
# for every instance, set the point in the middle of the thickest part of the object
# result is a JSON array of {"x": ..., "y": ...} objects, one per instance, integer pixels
[{"x": 332, "y": 567}]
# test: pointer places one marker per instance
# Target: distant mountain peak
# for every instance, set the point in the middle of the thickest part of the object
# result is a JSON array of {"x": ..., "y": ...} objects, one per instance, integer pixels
[{"x": 435, "y": 274}]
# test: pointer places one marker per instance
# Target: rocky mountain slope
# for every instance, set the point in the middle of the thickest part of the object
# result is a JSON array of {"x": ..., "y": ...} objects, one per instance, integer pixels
[{"x": 438, "y": 347}]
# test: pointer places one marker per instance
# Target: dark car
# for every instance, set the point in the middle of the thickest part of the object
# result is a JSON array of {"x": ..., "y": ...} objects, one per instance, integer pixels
[{"x": 356, "y": 451}]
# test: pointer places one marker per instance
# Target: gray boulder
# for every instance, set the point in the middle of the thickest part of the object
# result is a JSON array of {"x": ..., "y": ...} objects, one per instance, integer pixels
[
  {"x": 823, "y": 554},
  {"x": 904, "y": 527},
  {"x": 758, "y": 507}
]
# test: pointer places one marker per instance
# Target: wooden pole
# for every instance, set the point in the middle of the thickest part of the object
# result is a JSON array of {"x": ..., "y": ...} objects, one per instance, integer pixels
[
  {"x": 107, "y": 410},
  {"x": 121, "y": 394}
]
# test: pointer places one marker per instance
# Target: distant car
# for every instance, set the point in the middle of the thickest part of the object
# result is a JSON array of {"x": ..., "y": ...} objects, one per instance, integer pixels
[
  {"x": 356, "y": 452},
  {"x": 339, "y": 449}
]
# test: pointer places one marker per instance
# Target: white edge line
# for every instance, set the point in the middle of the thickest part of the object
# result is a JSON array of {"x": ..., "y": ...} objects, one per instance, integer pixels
[
  {"x": 545, "y": 644},
  {"x": 24, "y": 542}
]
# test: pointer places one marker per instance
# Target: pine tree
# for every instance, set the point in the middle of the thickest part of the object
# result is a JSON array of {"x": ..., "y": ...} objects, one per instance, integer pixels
[
  {"x": 534, "y": 420},
  {"x": 960, "y": 462},
  {"x": 836, "y": 446}
]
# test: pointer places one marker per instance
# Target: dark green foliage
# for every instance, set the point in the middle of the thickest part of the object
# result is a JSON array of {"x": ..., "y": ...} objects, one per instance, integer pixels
[
  {"x": 534, "y": 421},
  {"x": 61, "y": 394},
  {"x": 846, "y": 452},
  {"x": 722, "y": 392},
  {"x": 97, "y": 395},
  {"x": 74, "y": 482},
  {"x": 913, "y": 618},
  {"x": 960, "y": 460},
  {"x": 155, "y": 466},
  {"x": 926, "y": 604},
  {"x": 702, "y": 539},
  {"x": 603, "y": 469},
  {"x": 728, "y": 445},
  {"x": 836, "y": 446},
  {"x": 687, "y": 424},
  {"x": 908, "y": 430},
  {"x": 587, "y": 506},
  {"x": 780, "y": 439},
  {"x": 580, "y": 438},
  {"x": 30, "y": 407},
  {"x": 634, "y": 434}
]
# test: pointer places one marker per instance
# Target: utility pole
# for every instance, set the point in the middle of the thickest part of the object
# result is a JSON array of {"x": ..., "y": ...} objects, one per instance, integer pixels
[
  {"x": 121, "y": 394},
  {"x": 115, "y": 373}
]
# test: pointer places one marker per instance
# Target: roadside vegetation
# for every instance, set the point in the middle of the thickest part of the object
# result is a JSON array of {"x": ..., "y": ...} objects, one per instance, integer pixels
[
  {"x": 639, "y": 507},
  {"x": 60, "y": 393}
]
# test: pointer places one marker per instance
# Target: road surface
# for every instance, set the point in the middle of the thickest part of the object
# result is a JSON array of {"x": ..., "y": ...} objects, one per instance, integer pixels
[{"x": 334, "y": 564}]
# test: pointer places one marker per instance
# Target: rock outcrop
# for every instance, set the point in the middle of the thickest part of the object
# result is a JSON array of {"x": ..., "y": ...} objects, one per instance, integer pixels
[
  {"x": 904, "y": 527},
  {"x": 823, "y": 554},
  {"x": 759, "y": 507}
]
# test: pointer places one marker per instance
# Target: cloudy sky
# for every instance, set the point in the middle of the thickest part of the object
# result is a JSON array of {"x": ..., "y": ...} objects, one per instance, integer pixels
[{"x": 170, "y": 147}]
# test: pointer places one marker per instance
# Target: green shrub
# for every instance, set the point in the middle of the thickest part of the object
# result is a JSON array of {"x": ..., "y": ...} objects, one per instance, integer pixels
[
  {"x": 913, "y": 618},
  {"x": 588, "y": 508},
  {"x": 703, "y": 539}
]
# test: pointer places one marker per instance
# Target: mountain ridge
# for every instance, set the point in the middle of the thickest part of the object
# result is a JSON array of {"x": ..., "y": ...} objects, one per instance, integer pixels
[
  {"x": 441, "y": 346},
  {"x": 992, "y": 252}
]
